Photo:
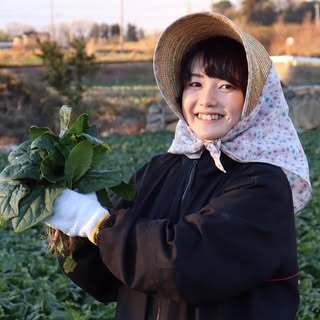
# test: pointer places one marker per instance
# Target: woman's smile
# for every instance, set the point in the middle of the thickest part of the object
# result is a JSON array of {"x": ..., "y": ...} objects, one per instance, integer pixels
[{"x": 204, "y": 116}]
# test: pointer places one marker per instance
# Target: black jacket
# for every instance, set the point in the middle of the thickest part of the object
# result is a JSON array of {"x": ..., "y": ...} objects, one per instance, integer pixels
[{"x": 197, "y": 243}]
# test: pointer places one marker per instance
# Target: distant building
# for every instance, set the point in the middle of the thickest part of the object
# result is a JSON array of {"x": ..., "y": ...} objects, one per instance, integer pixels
[
  {"x": 28, "y": 40},
  {"x": 6, "y": 44},
  {"x": 17, "y": 42}
]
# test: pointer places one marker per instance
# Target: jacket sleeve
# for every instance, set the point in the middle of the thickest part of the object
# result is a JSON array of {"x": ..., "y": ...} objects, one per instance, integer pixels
[
  {"x": 91, "y": 274},
  {"x": 234, "y": 243}
]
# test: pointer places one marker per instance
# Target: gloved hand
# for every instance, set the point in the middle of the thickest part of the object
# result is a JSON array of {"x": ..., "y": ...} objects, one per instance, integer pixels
[{"x": 77, "y": 214}]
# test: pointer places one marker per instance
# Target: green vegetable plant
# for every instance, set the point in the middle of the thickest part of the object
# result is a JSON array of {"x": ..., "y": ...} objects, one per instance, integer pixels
[{"x": 45, "y": 164}]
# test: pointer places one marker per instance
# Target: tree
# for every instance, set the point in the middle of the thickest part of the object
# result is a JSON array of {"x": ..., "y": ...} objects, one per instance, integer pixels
[
  {"x": 4, "y": 36},
  {"x": 115, "y": 30},
  {"x": 80, "y": 29},
  {"x": 104, "y": 31},
  {"x": 297, "y": 13},
  {"x": 81, "y": 65},
  {"x": 16, "y": 29},
  {"x": 63, "y": 34},
  {"x": 65, "y": 73},
  {"x": 131, "y": 33},
  {"x": 259, "y": 11},
  {"x": 141, "y": 34},
  {"x": 247, "y": 9},
  {"x": 95, "y": 31},
  {"x": 265, "y": 14},
  {"x": 222, "y": 6}
]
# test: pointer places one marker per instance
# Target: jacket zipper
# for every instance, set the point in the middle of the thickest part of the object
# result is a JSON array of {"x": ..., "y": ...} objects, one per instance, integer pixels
[
  {"x": 191, "y": 176},
  {"x": 158, "y": 312}
]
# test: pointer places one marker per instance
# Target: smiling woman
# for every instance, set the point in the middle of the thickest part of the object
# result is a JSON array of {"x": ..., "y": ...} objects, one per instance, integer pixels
[{"x": 210, "y": 233}]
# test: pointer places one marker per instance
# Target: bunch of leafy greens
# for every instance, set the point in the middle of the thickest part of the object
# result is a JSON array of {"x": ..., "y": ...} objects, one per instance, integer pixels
[{"x": 44, "y": 165}]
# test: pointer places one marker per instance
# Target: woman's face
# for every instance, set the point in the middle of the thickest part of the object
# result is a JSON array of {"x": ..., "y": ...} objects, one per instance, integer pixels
[{"x": 210, "y": 106}]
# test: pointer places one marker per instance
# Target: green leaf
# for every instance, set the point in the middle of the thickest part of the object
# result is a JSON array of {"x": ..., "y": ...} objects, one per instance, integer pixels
[
  {"x": 3, "y": 222},
  {"x": 20, "y": 154},
  {"x": 79, "y": 126},
  {"x": 124, "y": 190},
  {"x": 52, "y": 167},
  {"x": 104, "y": 198},
  {"x": 65, "y": 116},
  {"x": 67, "y": 143},
  {"x": 92, "y": 131},
  {"x": 34, "y": 207},
  {"x": 23, "y": 164},
  {"x": 94, "y": 140},
  {"x": 95, "y": 180},
  {"x": 69, "y": 264},
  {"x": 44, "y": 144},
  {"x": 78, "y": 162},
  {"x": 20, "y": 171},
  {"x": 10, "y": 195},
  {"x": 35, "y": 132},
  {"x": 99, "y": 156}
]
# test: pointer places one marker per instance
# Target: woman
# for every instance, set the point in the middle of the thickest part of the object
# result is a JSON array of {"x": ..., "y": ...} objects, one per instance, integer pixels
[{"x": 210, "y": 233}]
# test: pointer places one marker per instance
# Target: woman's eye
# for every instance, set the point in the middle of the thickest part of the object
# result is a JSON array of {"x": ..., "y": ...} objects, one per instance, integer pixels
[
  {"x": 194, "y": 84},
  {"x": 227, "y": 86}
]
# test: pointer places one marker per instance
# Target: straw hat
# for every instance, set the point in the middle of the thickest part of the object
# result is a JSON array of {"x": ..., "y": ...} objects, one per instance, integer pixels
[{"x": 181, "y": 35}]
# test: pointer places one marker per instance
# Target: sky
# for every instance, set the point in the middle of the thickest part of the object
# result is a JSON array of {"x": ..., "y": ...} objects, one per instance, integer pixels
[{"x": 151, "y": 15}]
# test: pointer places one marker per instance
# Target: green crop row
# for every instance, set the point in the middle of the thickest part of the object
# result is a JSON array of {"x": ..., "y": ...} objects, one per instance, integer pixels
[{"x": 33, "y": 288}]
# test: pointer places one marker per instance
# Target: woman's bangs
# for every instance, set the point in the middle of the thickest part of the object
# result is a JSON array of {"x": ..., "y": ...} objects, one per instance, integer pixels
[{"x": 219, "y": 65}]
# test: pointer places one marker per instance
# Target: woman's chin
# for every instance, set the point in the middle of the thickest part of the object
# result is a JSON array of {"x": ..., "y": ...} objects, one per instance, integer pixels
[
  {"x": 208, "y": 137},
  {"x": 207, "y": 134}
]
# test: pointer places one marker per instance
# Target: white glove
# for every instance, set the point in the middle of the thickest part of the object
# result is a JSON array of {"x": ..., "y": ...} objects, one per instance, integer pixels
[{"x": 77, "y": 214}]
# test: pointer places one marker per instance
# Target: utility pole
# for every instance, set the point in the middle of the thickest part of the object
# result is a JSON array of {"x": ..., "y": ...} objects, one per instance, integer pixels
[
  {"x": 52, "y": 20},
  {"x": 189, "y": 10},
  {"x": 121, "y": 25},
  {"x": 317, "y": 14}
]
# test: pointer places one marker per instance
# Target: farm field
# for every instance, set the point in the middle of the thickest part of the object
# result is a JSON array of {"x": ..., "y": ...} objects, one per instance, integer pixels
[
  {"x": 109, "y": 51},
  {"x": 109, "y": 74},
  {"x": 306, "y": 43},
  {"x": 141, "y": 74},
  {"x": 32, "y": 287},
  {"x": 117, "y": 97}
]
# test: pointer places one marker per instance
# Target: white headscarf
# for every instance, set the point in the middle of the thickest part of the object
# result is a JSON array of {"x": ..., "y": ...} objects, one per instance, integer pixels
[{"x": 265, "y": 135}]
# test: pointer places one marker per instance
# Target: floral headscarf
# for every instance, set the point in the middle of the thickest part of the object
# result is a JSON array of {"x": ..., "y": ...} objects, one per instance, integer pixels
[{"x": 265, "y": 135}]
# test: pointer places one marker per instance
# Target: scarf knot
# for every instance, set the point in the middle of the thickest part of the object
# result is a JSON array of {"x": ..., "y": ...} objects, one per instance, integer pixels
[{"x": 214, "y": 149}]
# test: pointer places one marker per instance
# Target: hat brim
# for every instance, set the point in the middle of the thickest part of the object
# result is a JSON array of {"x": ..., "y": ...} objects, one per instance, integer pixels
[{"x": 180, "y": 36}]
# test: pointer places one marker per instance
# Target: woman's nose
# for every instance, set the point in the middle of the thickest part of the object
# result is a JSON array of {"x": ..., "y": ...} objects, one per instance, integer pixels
[{"x": 208, "y": 97}]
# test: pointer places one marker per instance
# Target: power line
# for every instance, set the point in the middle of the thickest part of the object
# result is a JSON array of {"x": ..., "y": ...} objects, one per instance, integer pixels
[{"x": 121, "y": 24}]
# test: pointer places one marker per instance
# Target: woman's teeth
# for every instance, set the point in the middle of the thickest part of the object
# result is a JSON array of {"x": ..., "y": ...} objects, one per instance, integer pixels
[{"x": 209, "y": 116}]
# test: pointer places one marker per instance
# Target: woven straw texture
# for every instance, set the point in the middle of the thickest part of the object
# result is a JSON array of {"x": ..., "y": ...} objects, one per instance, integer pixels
[{"x": 181, "y": 35}]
